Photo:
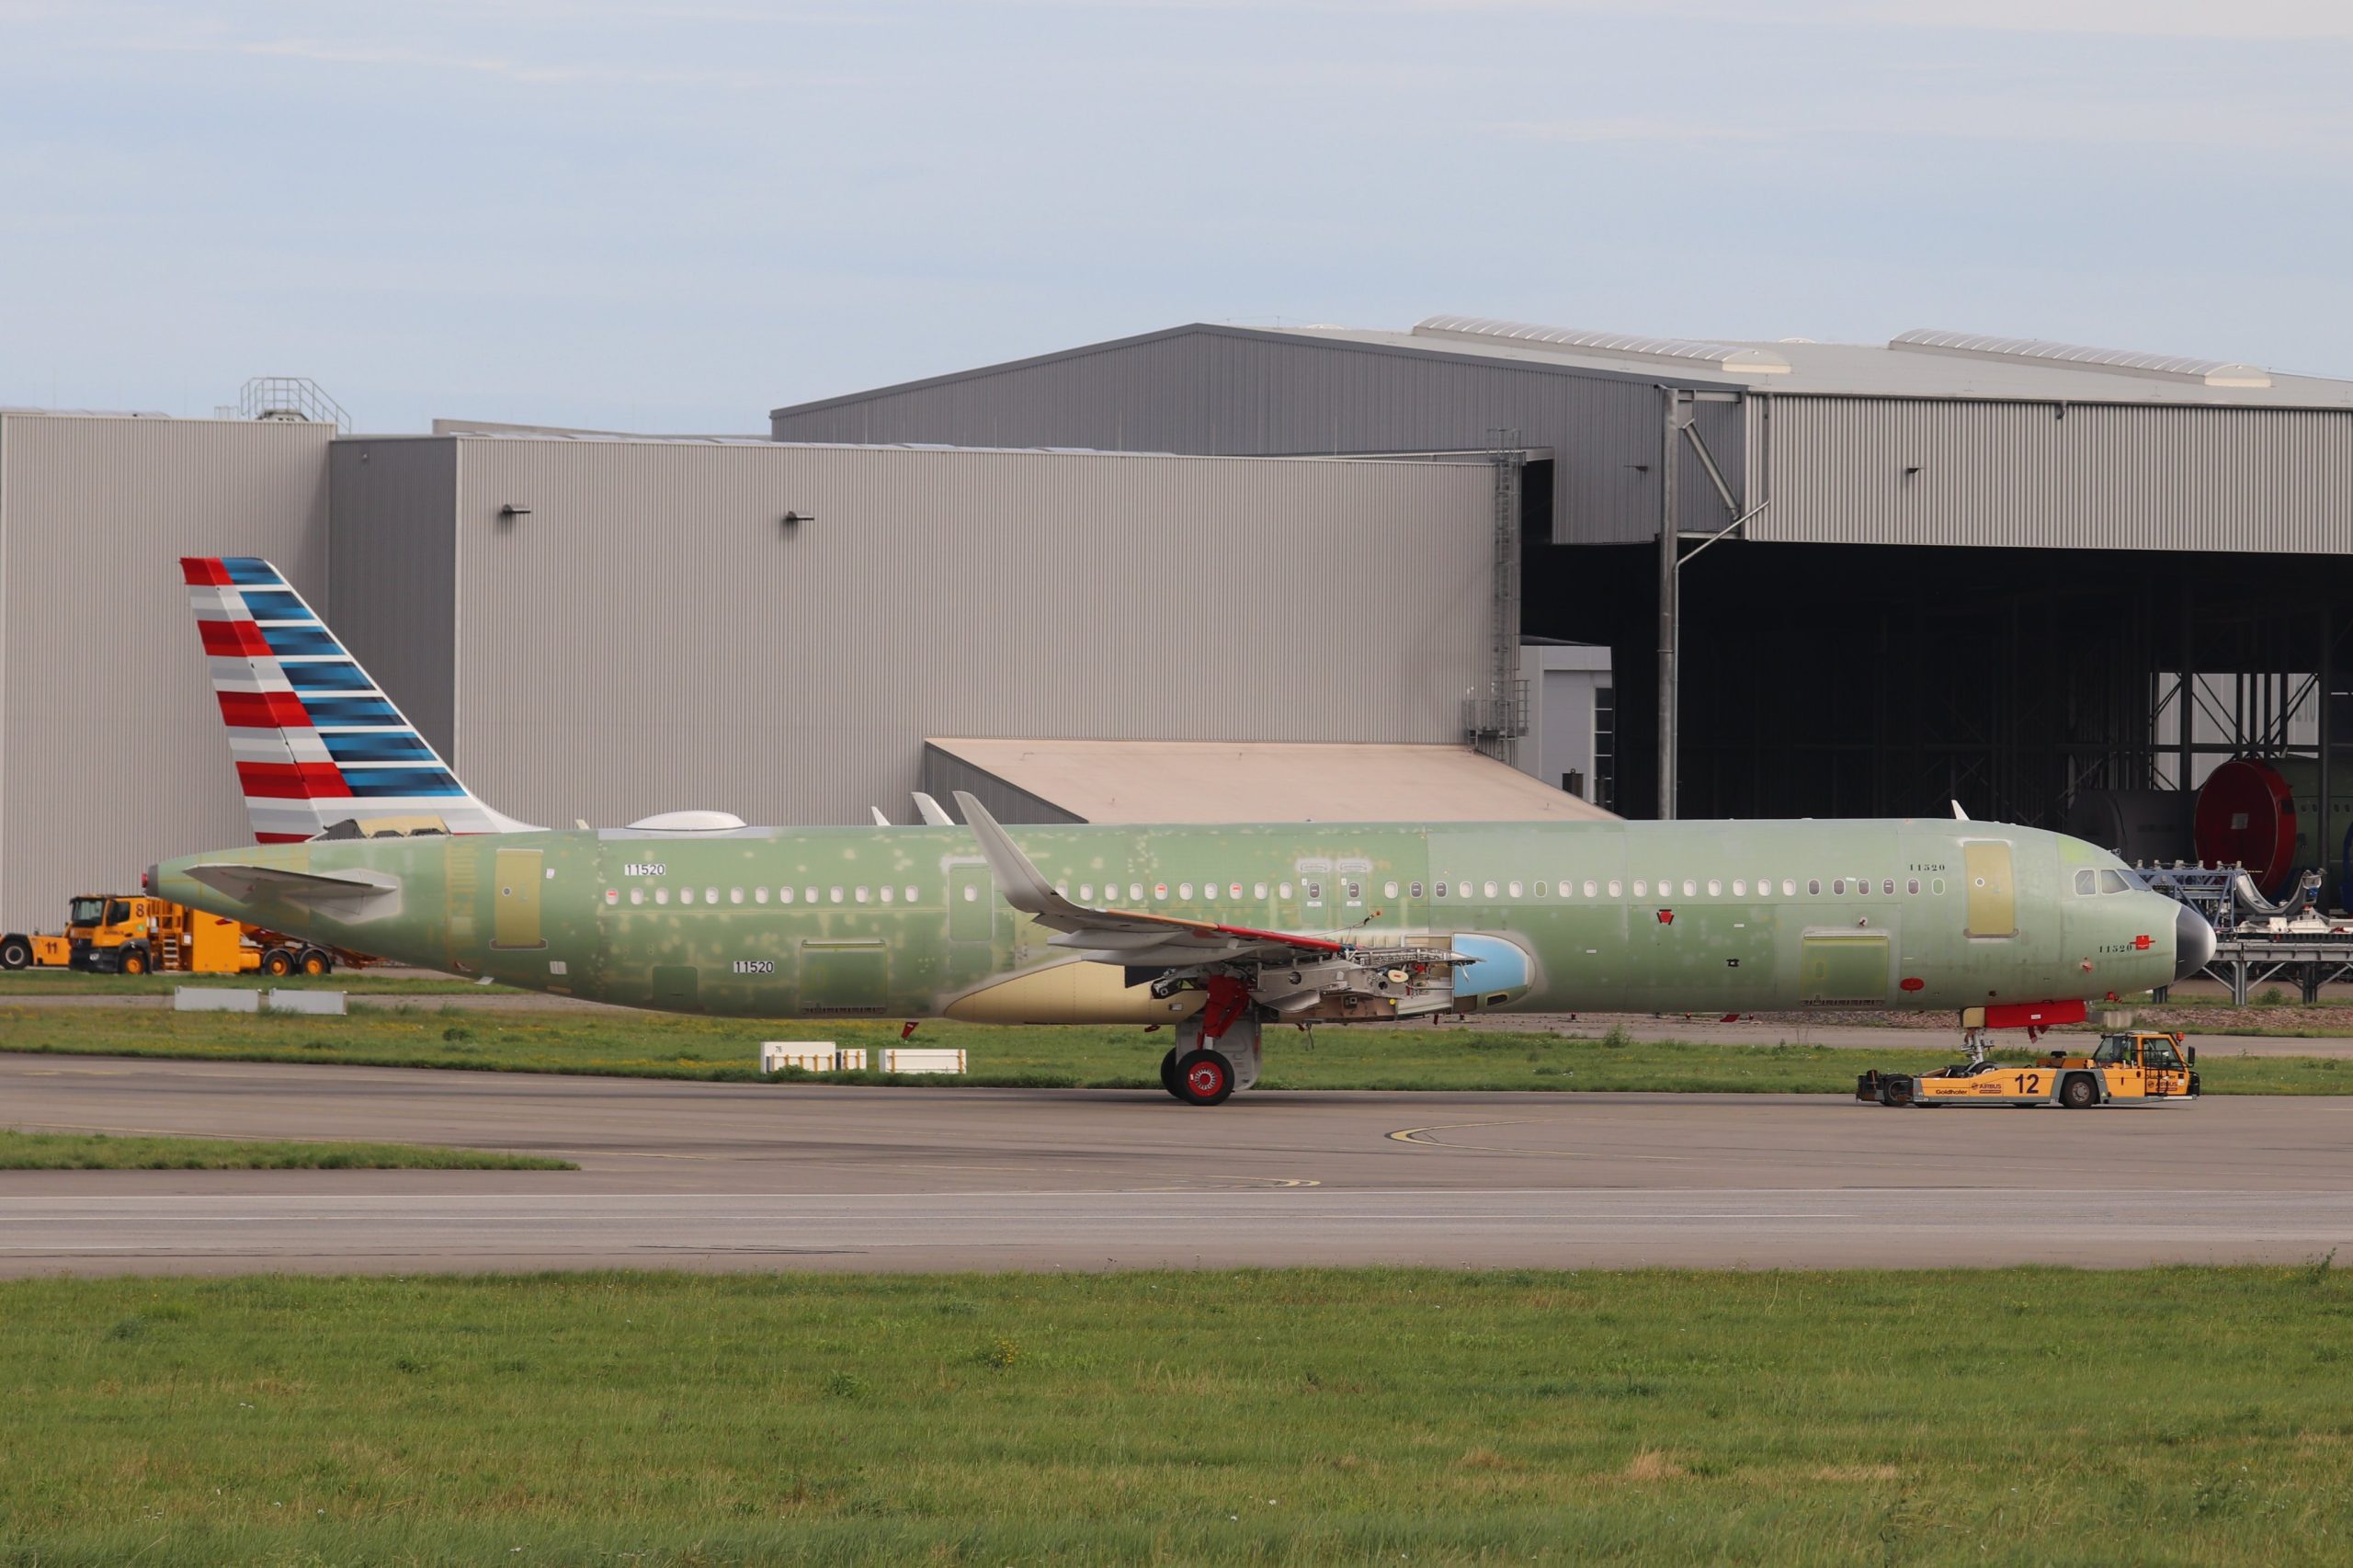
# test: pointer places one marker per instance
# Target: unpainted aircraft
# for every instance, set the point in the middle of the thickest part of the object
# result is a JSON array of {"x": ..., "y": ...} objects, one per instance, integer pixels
[{"x": 367, "y": 841}]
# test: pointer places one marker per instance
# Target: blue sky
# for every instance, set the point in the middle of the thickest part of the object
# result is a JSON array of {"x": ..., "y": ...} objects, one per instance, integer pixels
[{"x": 673, "y": 217}]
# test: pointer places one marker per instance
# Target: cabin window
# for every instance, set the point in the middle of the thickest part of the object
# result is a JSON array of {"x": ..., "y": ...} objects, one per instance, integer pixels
[
  {"x": 1690, "y": 888},
  {"x": 835, "y": 894},
  {"x": 1542, "y": 888},
  {"x": 1490, "y": 890},
  {"x": 1234, "y": 889},
  {"x": 784, "y": 895},
  {"x": 734, "y": 895},
  {"x": 1514, "y": 890},
  {"x": 1355, "y": 891},
  {"x": 1716, "y": 888},
  {"x": 1415, "y": 890},
  {"x": 1442, "y": 889},
  {"x": 685, "y": 895},
  {"x": 1086, "y": 892},
  {"x": 1641, "y": 888},
  {"x": 1938, "y": 887},
  {"x": 1814, "y": 886},
  {"x": 1739, "y": 888},
  {"x": 972, "y": 893},
  {"x": 861, "y": 895},
  {"x": 1912, "y": 885},
  {"x": 1135, "y": 892},
  {"x": 1315, "y": 892},
  {"x": 1837, "y": 885},
  {"x": 1588, "y": 890},
  {"x": 1282, "y": 890},
  {"x": 612, "y": 895},
  {"x": 911, "y": 896},
  {"x": 1160, "y": 890},
  {"x": 1887, "y": 886},
  {"x": 886, "y": 895},
  {"x": 661, "y": 895},
  {"x": 1614, "y": 889},
  {"x": 1389, "y": 889},
  {"x": 759, "y": 895},
  {"x": 637, "y": 895},
  {"x": 1257, "y": 890},
  {"x": 1184, "y": 890}
]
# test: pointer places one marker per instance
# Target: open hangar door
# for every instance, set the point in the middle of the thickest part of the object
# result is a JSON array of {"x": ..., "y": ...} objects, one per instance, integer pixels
[{"x": 1868, "y": 680}]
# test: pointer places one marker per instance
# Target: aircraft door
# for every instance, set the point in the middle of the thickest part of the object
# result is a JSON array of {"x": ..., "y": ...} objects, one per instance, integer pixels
[
  {"x": 514, "y": 918},
  {"x": 1993, "y": 891},
  {"x": 972, "y": 903}
]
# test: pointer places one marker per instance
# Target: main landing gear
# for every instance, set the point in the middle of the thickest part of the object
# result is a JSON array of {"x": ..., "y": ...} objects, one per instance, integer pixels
[{"x": 1216, "y": 1053}]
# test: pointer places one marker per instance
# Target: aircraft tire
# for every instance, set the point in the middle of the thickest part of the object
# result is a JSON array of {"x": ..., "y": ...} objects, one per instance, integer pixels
[
  {"x": 2079, "y": 1093},
  {"x": 16, "y": 952},
  {"x": 1204, "y": 1077},
  {"x": 1168, "y": 1073}
]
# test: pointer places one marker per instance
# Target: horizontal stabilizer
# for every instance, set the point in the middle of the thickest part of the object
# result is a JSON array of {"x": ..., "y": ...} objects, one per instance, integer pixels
[{"x": 250, "y": 884}]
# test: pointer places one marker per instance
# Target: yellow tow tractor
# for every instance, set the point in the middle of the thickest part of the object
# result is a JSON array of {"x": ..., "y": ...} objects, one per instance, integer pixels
[
  {"x": 136, "y": 934},
  {"x": 2127, "y": 1067}
]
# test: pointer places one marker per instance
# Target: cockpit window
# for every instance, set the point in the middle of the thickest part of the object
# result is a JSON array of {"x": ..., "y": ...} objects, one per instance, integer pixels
[
  {"x": 2086, "y": 881},
  {"x": 2113, "y": 882}
]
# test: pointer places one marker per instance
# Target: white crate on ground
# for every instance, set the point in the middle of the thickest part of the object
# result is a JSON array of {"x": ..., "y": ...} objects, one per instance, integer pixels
[
  {"x": 214, "y": 999},
  {"x": 284, "y": 999},
  {"x": 811, "y": 1056},
  {"x": 922, "y": 1058}
]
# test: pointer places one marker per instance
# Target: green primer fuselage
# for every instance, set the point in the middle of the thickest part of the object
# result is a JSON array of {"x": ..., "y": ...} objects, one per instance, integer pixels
[{"x": 906, "y": 922}]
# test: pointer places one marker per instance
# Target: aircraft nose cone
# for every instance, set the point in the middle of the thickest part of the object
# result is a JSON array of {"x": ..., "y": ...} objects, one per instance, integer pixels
[{"x": 2193, "y": 943}]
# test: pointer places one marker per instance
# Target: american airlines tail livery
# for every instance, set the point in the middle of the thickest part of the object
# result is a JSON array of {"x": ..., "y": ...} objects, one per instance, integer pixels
[{"x": 366, "y": 840}]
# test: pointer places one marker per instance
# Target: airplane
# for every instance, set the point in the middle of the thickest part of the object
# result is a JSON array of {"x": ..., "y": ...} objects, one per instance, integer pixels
[{"x": 367, "y": 841}]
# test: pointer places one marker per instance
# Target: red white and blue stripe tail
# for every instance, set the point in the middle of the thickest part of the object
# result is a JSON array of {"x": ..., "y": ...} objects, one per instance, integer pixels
[{"x": 315, "y": 741}]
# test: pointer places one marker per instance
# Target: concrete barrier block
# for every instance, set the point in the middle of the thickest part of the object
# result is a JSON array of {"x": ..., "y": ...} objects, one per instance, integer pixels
[
  {"x": 922, "y": 1059},
  {"x": 809, "y": 1055},
  {"x": 326, "y": 1002},
  {"x": 214, "y": 999}
]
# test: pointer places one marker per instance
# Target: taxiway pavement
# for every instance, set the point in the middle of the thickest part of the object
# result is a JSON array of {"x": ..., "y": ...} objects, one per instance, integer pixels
[{"x": 716, "y": 1176}]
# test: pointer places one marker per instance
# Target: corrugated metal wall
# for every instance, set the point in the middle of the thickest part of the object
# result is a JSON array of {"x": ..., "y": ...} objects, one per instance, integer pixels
[
  {"x": 1842, "y": 471},
  {"x": 1229, "y": 390},
  {"x": 392, "y": 578},
  {"x": 111, "y": 751},
  {"x": 652, "y": 637}
]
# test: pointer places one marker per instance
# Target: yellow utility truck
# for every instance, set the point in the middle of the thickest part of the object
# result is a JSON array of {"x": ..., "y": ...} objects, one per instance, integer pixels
[
  {"x": 2126, "y": 1067},
  {"x": 134, "y": 934}
]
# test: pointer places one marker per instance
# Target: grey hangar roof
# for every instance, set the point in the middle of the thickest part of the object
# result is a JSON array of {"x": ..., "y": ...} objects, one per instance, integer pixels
[{"x": 1932, "y": 437}]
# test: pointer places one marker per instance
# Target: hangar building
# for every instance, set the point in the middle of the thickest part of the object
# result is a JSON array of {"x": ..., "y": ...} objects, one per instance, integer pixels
[
  {"x": 1883, "y": 576},
  {"x": 604, "y": 627}
]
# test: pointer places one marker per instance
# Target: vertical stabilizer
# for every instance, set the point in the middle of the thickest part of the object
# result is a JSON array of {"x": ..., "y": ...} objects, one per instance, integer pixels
[{"x": 315, "y": 741}]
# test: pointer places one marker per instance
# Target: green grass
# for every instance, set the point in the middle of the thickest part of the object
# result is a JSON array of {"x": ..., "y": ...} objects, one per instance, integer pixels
[
  {"x": 1345, "y": 1416},
  {"x": 71, "y": 983},
  {"x": 102, "y": 1151},
  {"x": 1377, "y": 1056}
]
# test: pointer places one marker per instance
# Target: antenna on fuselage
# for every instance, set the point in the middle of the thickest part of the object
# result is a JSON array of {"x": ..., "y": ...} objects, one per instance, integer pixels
[{"x": 1958, "y": 814}]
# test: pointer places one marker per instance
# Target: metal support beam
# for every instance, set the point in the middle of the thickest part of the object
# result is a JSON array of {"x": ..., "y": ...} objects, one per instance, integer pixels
[
  {"x": 2325, "y": 853},
  {"x": 1678, "y": 410}
]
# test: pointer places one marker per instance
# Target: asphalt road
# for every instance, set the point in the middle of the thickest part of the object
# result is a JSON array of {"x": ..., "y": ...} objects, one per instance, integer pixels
[{"x": 712, "y": 1176}]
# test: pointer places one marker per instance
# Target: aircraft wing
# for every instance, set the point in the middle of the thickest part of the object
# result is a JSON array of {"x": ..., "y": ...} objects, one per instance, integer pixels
[
  {"x": 247, "y": 882},
  {"x": 1125, "y": 936}
]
